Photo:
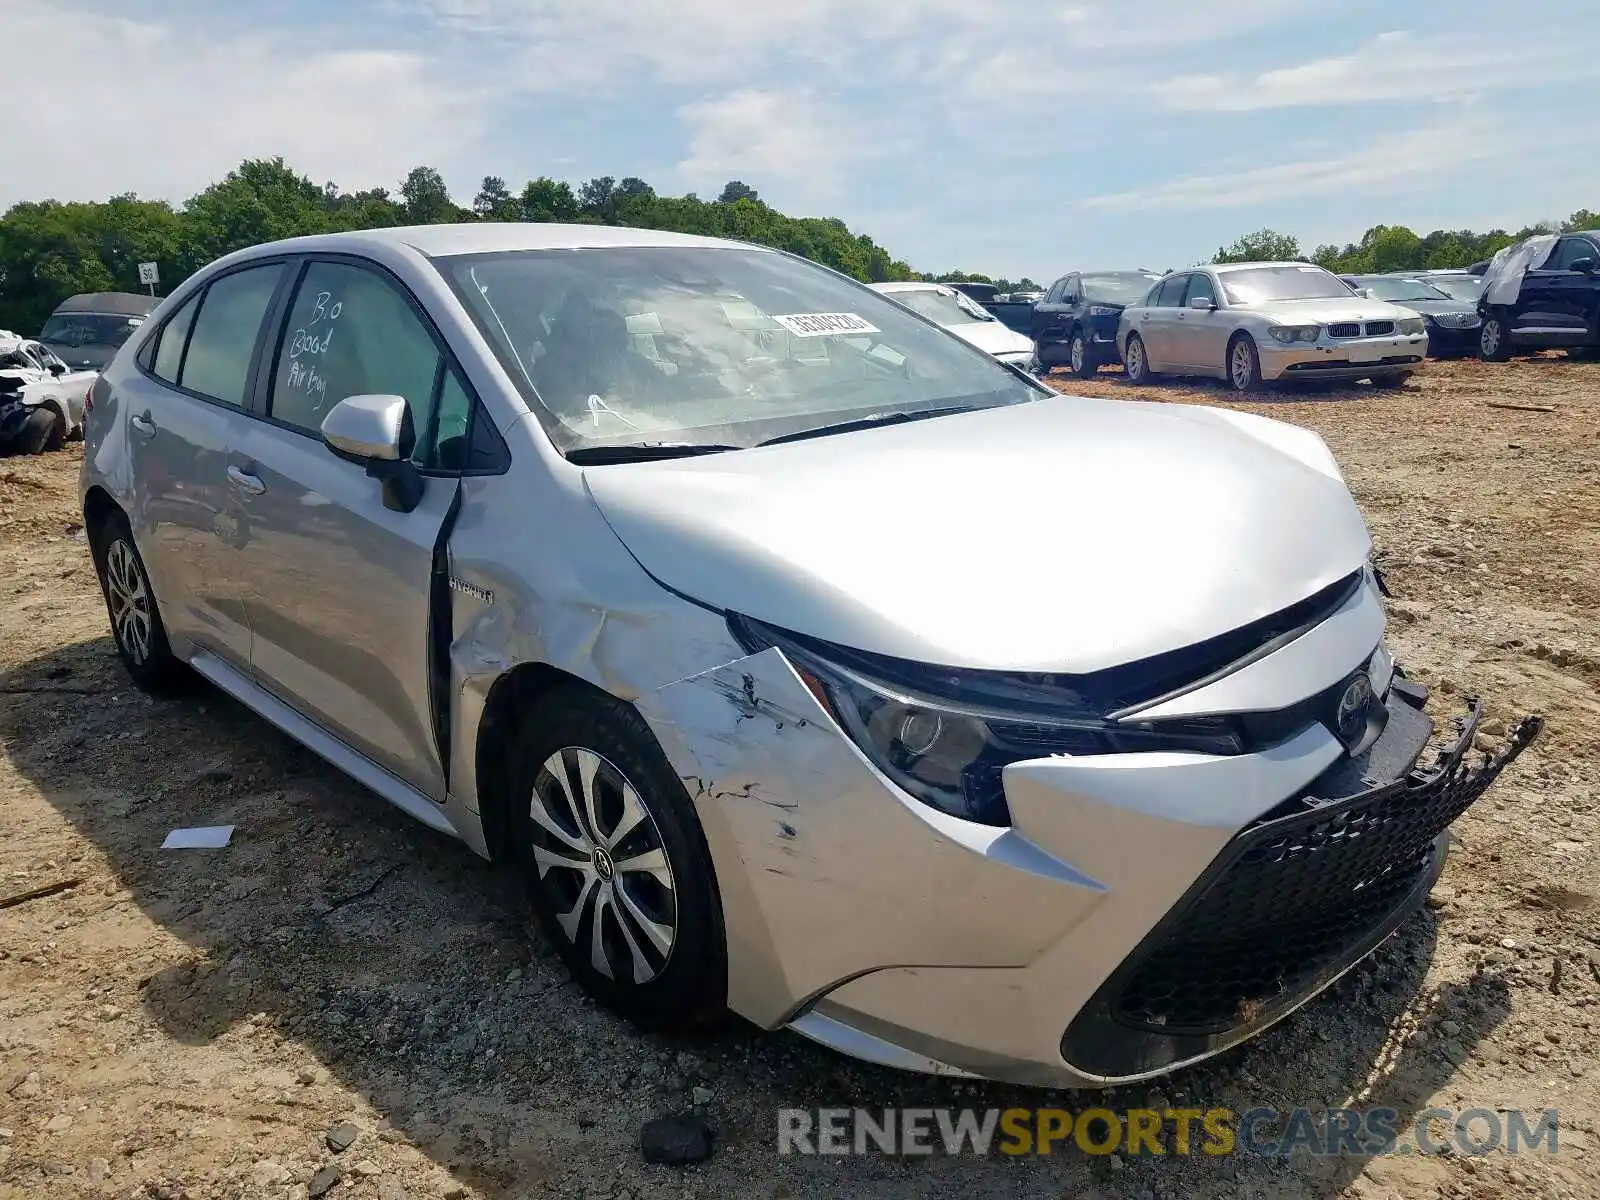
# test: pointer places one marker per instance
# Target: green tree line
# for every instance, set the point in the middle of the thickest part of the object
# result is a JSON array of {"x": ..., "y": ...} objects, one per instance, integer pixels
[
  {"x": 1386, "y": 248},
  {"x": 50, "y": 250}
]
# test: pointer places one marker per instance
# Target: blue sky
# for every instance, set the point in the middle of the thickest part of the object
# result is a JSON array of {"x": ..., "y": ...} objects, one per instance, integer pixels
[{"x": 1007, "y": 136}]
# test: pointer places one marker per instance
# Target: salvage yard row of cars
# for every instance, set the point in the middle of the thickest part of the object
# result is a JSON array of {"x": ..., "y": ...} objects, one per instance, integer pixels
[{"x": 579, "y": 511}]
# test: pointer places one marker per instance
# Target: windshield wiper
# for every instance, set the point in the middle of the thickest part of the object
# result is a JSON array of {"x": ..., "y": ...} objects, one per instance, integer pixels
[
  {"x": 869, "y": 422},
  {"x": 643, "y": 452}
]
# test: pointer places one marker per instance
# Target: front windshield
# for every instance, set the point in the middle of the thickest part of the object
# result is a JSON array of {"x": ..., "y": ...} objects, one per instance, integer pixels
[
  {"x": 1117, "y": 287},
  {"x": 640, "y": 346},
  {"x": 88, "y": 329},
  {"x": 1397, "y": 291},
  {"x": 945, "y": 308},
  {"x": 1258, "y": 285},
  {"x": 1467, "y": 288}
]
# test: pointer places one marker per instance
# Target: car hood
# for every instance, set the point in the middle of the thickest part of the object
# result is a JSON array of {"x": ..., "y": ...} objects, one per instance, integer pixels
[
  {"x": 992, "y": 337},
  {"x": 1322, "y": 312},
  {"x": 1063, "y": 535}
]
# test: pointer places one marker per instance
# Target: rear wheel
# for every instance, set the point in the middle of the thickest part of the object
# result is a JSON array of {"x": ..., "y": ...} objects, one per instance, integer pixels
[
  {"x": 1135, "y": 361},
  {"x": 1493, "y": 343},
  {"x": 1083, "y": 365},
  {"x": 615, "y": 864},
  {"x": 136, "y": 625},
  {"x": 1244, "y": 364}
]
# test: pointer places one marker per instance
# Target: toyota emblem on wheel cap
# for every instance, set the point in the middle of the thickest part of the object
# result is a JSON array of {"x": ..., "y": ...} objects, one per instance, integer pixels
[{"x": 1350, "y": 718}]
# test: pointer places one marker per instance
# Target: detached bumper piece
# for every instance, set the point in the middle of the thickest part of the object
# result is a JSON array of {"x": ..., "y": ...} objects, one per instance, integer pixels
[{"x": 1291, "y": 903}]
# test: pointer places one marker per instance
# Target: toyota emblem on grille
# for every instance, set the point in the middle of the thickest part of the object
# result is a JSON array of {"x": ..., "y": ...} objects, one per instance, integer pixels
[{"x": 1350, "y": 718}]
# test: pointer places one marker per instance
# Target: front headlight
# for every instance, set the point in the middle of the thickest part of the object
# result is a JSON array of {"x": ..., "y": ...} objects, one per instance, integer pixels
[
  {"x": 1411, "y": 325},
  {"x": 1288, "y": 334},
  {"x": 1102, "y": 310},
  {"x": 949, "y": 751}
]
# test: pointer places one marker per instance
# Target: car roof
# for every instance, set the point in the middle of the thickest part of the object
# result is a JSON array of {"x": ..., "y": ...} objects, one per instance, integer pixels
[
  {"x": 1222, "y": 267},
  {"x": 489, "y": 237},
  {"x": 122, "y": 304}
]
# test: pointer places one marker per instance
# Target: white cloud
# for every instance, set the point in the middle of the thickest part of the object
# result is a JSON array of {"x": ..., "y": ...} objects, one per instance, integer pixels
[
  {"x": 1391, "y": 66},
  {"x": 1382, "y": 166},
  {"x": 761, "y": 135},
  {"x": 165, "y": 110}
]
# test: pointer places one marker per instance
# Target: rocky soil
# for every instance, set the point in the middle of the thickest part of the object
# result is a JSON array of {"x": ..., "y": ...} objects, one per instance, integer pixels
[{"x": 342, "y": 1003}]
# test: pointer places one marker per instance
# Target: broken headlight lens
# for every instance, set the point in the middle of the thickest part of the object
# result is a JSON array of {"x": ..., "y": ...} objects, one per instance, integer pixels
[{"x": 949, "y": 751}]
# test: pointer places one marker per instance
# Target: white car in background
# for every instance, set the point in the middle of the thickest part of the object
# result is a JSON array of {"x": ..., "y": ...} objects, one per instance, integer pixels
[
  {"x": 36, "y": 377},
  {"x": 962, "y": 316}
]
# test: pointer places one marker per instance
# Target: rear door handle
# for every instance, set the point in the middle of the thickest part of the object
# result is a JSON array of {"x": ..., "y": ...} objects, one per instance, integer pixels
[
  {"x": 246, "y": 483},
  {"x": 143, "y": 425}
]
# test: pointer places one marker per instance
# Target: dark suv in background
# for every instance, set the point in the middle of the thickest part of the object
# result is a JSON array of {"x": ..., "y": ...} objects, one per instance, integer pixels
[
  {"x": 87, "y": 330},
  {"x": 1076, "y": 322},
  {"x": 1557, "y": 305}
]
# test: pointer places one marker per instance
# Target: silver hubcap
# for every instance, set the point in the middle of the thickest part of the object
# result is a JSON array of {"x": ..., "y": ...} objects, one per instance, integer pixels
[
  {"x": 130, "y": 601},
  {"x": 1491, "y": 336},
  {"x": 1077, "y": 354},
  {"x": 1136, "y": 359},
  {"x": 1241, "y": 365},
  {"x": 601, "y": 857}
]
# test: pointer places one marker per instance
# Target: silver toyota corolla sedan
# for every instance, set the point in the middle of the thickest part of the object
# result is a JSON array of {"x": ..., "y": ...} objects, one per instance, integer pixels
[
  {"x": 1253, "y": 322},
  {"x": 805, "y": 660}
]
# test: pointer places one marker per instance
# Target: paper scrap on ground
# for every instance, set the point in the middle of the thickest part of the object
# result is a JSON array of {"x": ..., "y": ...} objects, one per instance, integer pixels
[{"x": 202, "y": 837}]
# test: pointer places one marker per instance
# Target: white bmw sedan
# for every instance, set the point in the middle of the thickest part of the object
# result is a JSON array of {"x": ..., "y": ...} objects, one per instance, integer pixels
[{"x": 787, "y": 645}]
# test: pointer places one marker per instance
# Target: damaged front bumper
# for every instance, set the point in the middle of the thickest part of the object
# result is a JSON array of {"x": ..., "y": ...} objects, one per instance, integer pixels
[{"x": 1142, "y": 912}]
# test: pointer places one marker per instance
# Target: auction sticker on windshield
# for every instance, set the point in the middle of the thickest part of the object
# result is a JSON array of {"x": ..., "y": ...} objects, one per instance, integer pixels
[{"x": 824, "y": 324}]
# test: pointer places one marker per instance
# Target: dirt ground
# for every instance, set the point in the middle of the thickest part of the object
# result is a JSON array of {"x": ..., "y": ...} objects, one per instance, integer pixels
[{"x": 192, "y": 1024}]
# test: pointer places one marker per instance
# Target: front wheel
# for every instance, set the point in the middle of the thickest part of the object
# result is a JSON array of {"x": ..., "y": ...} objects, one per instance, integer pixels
[
  {"x": 1244, "y": 364},
  {"x": 1135, "y": 361},
  {"x": 616, "y": 866},
  {"x": 1391, "y": 382},
  {"x": 1493, "y": 344}
]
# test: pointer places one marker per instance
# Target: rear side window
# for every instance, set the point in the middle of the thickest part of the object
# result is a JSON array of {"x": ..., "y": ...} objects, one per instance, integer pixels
[
  {"x": 1171, "y": 292},
  {"x": 171, "y": 340},
  {"x": 223, "y": 340}
]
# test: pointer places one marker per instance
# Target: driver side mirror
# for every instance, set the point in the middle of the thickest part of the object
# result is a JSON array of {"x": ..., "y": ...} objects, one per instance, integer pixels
[
  {"x": 58, "y": 369},
  {"x": 1203, "y": 303},
  {"x": 375, "y": 432},
  {"x": 1586, "y": 265}
]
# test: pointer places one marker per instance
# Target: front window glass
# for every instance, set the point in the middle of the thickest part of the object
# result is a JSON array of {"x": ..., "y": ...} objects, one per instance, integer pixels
[
  {"x": 1117, "y": 287},
  {"x": 1466, "y": 287},
  {"x": 1258, "y": 285},
  {"x": 648, "y": 345},
  {"x": 946, "y": 308},
  {"x": 1399, "y": 290},
  {"x": 88, "y": 329}
]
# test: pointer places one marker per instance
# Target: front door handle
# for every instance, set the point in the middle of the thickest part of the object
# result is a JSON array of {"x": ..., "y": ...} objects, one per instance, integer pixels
[
  {"x": 246, "y": 483},
  {"x": 143, "y": 425}
]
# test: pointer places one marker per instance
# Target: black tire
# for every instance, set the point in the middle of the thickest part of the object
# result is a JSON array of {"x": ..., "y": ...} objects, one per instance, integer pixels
[
  {"x": 688, "y": 985},
  {"x": 1040, "y": 362},
  {"x": 143, "y": 645},
  {"x": 1391, "y": 382},
  {"x": 34, "y": 435},
  {"x": 1244, "y": 364},
  {"x": 58, "y": 430},
  {"x": 1081, "y": 357},
  {"x": 1493, "y": 343},
  {"x": 1136, "y": 361}
]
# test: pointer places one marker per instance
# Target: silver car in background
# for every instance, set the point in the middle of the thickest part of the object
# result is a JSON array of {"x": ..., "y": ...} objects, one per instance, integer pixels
[
  {"x": 729, "y": 603},
  {"x": 962, "y": 316},
  {"x": 1249, "y": 323}
]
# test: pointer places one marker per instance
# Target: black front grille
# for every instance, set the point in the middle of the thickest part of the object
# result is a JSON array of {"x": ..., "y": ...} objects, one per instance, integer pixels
[
  {"x": 1295, "y": 894},
  {"x": 1345, "y": 329},
  {"x": 1379, "y": 328}
]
